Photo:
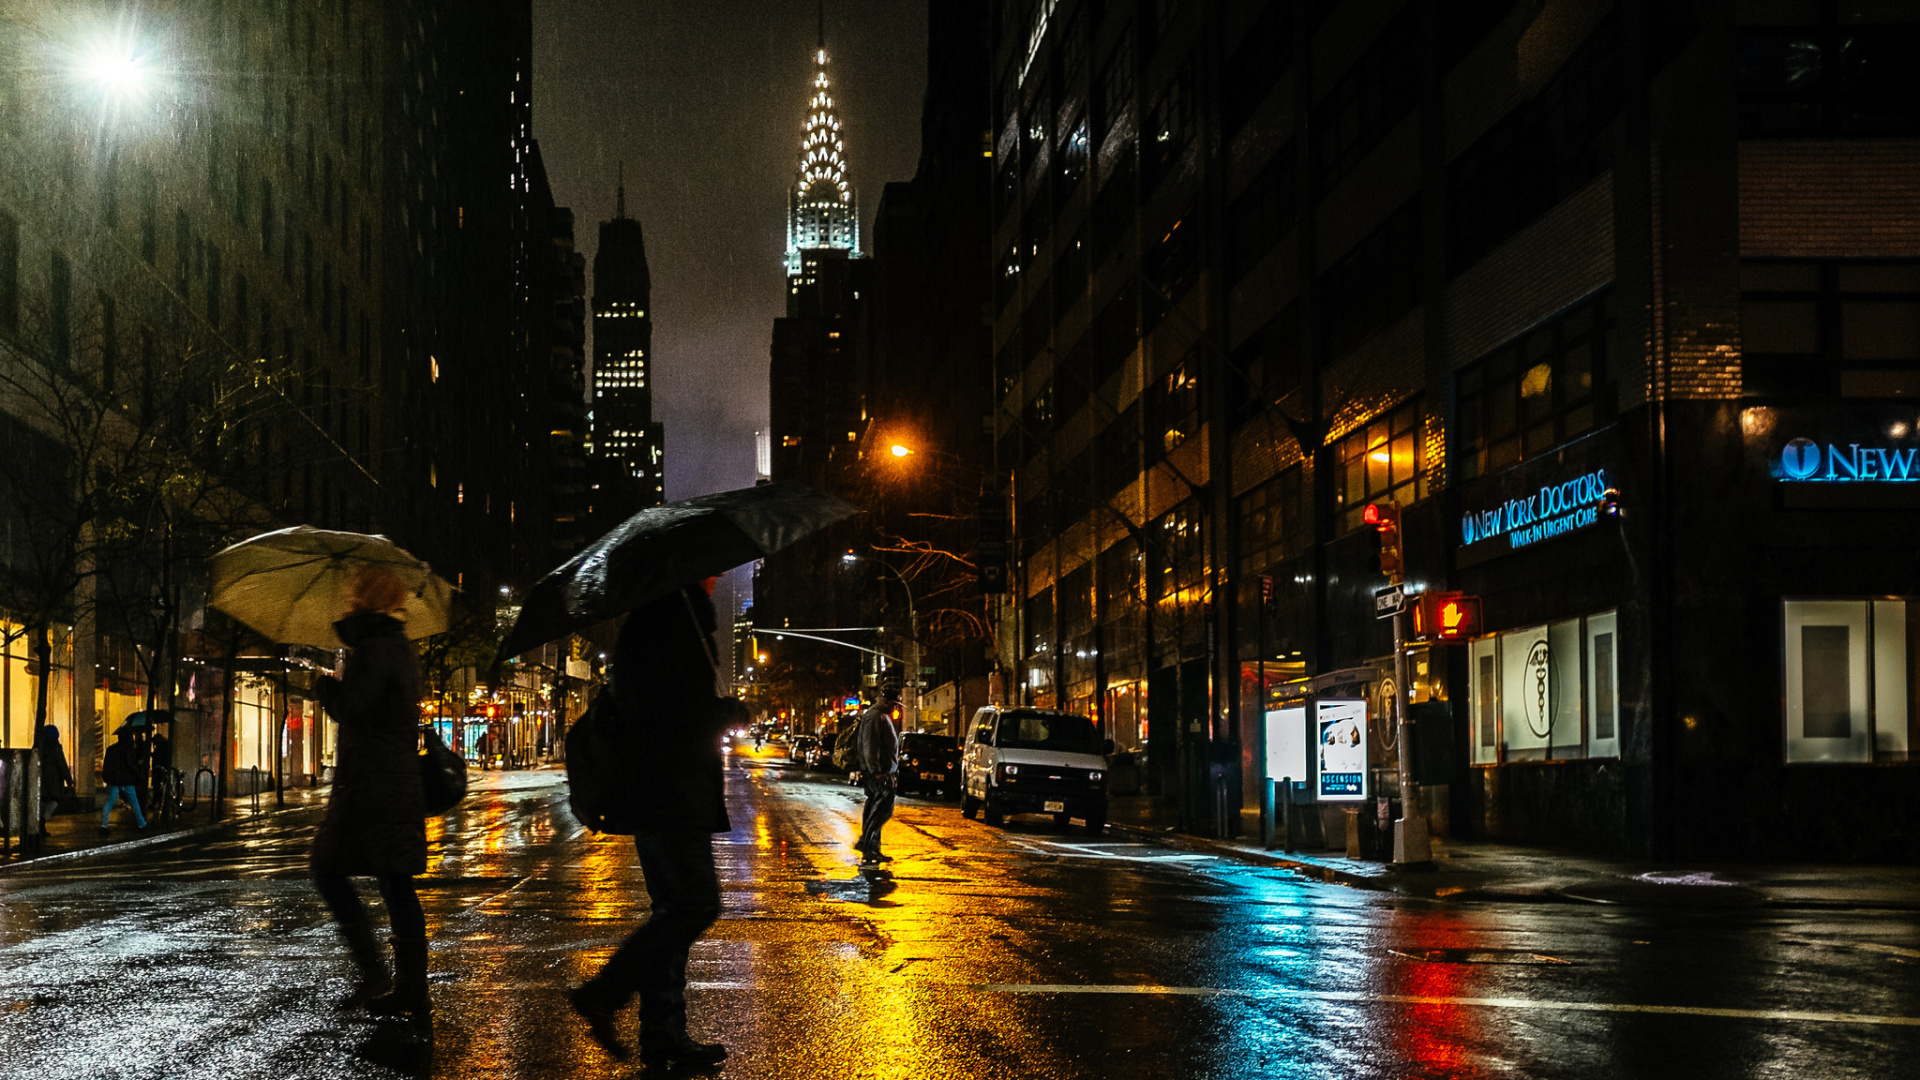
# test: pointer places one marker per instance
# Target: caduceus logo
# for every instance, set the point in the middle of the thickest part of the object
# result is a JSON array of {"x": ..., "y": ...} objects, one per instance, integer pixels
[
  {"x": 1537, "y": 697},
  {"x": 1800, "y": 459}
]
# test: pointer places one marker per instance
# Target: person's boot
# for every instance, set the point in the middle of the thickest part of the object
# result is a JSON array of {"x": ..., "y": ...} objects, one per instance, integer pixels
[
  {"x": 375, "y": 979},
  {"x": 664, "y": 1041},
  {"x": 409, "y": 994},
  {"x": 600, "y": 1009}
]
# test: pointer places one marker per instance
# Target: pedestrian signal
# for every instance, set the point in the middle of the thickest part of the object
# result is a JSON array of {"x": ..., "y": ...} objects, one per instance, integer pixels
[{"x": 1443, "y": 617}]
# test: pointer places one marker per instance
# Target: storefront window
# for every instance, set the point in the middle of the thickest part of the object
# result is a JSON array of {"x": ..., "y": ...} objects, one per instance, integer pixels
[
  {"x": 1546, "y": 693},
  {"x": 1380, "y": 462},
  {"x": 1849, "y": 666}
]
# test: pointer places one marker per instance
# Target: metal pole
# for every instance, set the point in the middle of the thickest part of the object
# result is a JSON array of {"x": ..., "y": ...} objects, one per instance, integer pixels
[{"x": 1410, "y": 832}]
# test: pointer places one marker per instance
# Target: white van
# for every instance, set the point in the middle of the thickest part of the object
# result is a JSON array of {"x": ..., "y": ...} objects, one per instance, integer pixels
[{"x": 1018, "y": 760}]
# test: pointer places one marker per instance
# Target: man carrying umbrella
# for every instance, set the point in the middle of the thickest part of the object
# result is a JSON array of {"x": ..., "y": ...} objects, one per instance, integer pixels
[
  {"x": 666, "y": 723},
  {"x": 668, "y": 728}
]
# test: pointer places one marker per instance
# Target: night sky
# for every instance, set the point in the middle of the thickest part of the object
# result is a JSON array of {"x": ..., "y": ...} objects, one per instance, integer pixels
[{"x": 704, "y": 101}]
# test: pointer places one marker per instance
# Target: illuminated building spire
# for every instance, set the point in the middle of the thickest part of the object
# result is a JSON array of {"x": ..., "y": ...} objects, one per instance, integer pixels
[{"x": 821, "y": 212}]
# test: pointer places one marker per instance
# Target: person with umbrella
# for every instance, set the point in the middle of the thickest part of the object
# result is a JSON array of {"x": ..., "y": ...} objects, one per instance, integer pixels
[
  {"x": 122, "y": 770},
  {"x": 668, "y": 727},
  {"x": 667, "y": 723},
  {"x": 375, "y": 825}
]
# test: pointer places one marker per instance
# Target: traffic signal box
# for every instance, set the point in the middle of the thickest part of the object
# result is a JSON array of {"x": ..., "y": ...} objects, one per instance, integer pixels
[
  {"x": 1447, "y": 616},
  {"x": 1385, "y": 519},
  {"x": 990, "y": 554}
]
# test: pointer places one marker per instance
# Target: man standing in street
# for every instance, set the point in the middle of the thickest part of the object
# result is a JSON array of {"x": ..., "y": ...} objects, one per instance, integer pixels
[
  {"x": 666, "y": 730},
  {"x": 122, "y": 772},
  {"x": 879, "y": 746}
]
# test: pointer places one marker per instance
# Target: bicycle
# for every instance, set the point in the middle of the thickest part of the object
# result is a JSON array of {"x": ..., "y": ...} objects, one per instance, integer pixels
[{"x": 166, "y": 796}]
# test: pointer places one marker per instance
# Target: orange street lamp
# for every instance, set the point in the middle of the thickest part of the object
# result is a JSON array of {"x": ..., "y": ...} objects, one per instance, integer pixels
[{"x": 900, "y": 450}]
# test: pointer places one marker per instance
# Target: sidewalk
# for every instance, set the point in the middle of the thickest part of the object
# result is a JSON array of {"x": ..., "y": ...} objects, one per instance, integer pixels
[
  {"x": 77, "y": 834},
  {"x": 1478, "y": 870}
]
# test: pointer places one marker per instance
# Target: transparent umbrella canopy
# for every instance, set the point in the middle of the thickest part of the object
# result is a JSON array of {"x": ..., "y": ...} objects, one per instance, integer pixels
[{"x": 291, "y": 585}]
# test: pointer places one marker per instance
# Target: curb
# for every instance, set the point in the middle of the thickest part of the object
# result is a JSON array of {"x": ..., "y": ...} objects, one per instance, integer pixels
[{"x": 148, "y": 841}]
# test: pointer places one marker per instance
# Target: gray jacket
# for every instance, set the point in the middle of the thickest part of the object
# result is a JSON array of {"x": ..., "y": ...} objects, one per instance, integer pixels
[{"x": 879, "y": 742}]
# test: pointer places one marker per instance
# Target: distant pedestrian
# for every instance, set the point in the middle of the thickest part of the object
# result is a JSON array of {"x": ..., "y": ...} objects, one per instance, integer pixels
[
  {"x": 162, "y": 750},
  {"x": 669, "y": 726},
  {"x": 56, "y": 777},
  {"x": 376, "y": 814},
  {"x": 879, "y": 744},
  {"x": 122, "y": 774}
]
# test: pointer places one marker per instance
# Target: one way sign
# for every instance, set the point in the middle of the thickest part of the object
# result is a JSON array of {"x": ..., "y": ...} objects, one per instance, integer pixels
[{"x": 1389, "y": 602}]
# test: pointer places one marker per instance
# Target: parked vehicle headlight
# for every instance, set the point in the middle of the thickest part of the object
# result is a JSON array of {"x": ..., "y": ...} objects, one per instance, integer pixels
[
  {"x": 1009, "y": 770},
  {"x": 1094, "y": 774}
]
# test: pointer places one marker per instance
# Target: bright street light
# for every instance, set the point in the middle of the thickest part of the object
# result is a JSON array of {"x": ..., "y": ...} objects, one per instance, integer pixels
[
  {"x": 118, "y": 66},
  {"x": 900, "y": 450}
]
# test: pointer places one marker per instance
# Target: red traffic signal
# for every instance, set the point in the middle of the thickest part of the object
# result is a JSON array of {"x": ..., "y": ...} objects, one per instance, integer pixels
[
  {"x": 1385, "y": 519},
  {"x": 1447, "y": 616}
]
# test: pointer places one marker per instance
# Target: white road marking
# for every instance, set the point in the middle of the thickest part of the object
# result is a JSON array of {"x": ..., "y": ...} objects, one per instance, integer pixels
[
  {"x": 1343, "y": 996},
  {"x": 1050, "y": 847}
]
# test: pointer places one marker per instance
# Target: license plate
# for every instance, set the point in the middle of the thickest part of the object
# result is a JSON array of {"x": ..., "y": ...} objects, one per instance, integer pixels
[
  {"x": 938, "y": 776},
  {"x": 1056, "y": 808}
]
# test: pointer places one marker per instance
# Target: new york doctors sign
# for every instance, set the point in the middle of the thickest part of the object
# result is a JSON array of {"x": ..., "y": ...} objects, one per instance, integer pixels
[{"x": 1555, "y": 509}]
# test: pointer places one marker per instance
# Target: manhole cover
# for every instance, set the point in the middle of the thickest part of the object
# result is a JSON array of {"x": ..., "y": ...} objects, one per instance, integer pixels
[{"x": 1477, "y": 956}]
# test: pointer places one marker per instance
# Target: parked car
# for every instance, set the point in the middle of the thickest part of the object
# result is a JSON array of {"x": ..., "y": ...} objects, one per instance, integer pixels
[
  {"x": 929, "y": 764},
  {"x": 799, "y": 746},
  {"x": 1034, "y": 761},
  {"x": 821, "y": 757}
]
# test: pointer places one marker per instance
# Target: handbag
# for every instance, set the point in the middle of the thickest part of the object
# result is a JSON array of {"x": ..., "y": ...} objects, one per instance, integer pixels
[
  {"x": 443, "y": 775},
  {"x": 593, "y": 780}
]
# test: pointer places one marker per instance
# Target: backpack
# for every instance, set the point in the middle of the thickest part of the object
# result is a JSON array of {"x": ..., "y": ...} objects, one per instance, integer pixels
[
  {"x": 593, "y": 780},
  {"x": 846, "y": 747}
]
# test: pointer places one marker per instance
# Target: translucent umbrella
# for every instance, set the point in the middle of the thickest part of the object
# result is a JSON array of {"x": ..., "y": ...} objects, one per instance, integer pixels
[{"x": 292, "y": 585}]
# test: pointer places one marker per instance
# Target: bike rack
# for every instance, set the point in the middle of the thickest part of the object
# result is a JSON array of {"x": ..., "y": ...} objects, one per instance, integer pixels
[
  {"x": 254, "y": 783},
  {"x": 213, "y": 786}
]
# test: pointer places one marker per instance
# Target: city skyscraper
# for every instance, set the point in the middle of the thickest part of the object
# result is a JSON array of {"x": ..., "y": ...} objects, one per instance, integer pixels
[
  {"x": 624, "y": 431},
  {"x": 815, "y": 400}
]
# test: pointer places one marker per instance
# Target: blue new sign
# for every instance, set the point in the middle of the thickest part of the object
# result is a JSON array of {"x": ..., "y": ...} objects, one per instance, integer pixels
[{"x": 1805, "y": 461}]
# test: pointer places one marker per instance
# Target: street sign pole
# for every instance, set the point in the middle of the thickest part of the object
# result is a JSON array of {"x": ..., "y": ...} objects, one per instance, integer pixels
[{"x": 1410, "y": 832}]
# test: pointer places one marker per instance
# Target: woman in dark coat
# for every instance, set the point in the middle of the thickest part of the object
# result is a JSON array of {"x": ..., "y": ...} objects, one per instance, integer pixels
[{"x": 376, "y": 818}]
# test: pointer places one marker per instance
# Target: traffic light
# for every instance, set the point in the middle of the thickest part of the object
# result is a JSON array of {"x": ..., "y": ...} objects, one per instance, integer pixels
[
  {"x": 1447, "y": 616},
  {"x": 990, "y": 555},
  {"x": 1385, "y": 519}
]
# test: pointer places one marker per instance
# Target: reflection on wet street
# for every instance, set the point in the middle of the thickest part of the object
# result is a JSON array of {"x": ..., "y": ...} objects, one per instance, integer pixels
[{"x": 1016, "y": 952}]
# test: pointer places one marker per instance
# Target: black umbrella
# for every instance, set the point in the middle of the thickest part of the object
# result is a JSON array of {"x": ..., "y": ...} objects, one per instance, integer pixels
[{"x": 664, "y": 548}]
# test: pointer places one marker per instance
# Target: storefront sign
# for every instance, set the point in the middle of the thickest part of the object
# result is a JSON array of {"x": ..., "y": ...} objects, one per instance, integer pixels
[
  {"x": 1808, "y": 462},
  {"x": 1554, "y": 510},
  {"x": 1342, "y": 727}
]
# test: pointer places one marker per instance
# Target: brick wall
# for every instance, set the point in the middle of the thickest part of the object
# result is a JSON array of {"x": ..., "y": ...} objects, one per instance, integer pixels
[
  {"x": 1820, "y": 197},
  {"x": 1544, "y": 268}
]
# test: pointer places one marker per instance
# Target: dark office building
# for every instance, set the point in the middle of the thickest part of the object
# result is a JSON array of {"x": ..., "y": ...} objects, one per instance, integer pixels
[
  {"x": 1618, "y": 302},
  {"x": 626, "y": 438}
]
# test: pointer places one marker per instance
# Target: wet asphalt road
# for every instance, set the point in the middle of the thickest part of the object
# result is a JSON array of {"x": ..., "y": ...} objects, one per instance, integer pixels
[{"x": 1017, "y": 952}]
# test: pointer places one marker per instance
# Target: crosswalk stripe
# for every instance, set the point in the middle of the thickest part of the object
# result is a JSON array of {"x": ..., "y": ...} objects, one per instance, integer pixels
[{"x": 1352, "y": 997}]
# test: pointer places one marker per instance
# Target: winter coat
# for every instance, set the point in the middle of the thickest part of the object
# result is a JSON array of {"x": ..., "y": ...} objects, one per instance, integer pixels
[
  {"x": 669, "y": 724},
  {"x": 122, "y": 767},
  {"x": 56, "y": 779},
  {"x": 879, "y": 742},
  {"x": 376, "y": 813}
]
